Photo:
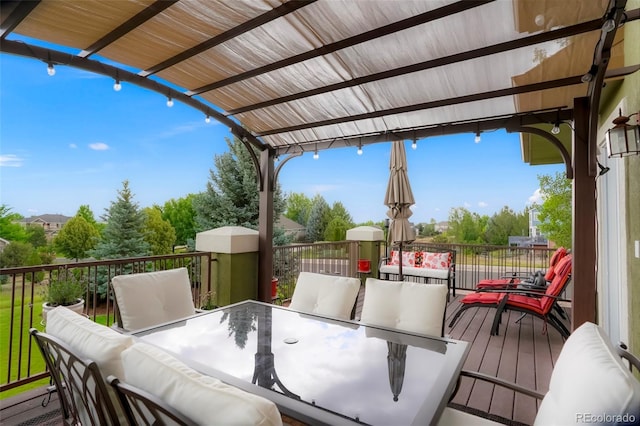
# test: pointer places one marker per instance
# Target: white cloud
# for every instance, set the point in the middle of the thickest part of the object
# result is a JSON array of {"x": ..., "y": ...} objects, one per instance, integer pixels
[
  {"x": 482, "y": 204},
  {"x": 73, "y": 146},
  {"x": 536, "y": 198},
  {"x": 10, "y": 160},
  {"x": 99, "y": 146}
]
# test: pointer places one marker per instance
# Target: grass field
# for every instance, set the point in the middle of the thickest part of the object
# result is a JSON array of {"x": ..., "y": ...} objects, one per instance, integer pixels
[{"x": 16, "y": 342}]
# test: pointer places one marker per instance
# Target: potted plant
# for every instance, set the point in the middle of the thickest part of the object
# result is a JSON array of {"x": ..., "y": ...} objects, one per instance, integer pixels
[
  {"x": 64, "y": 289},
  {"x": 207, "y": 301}
]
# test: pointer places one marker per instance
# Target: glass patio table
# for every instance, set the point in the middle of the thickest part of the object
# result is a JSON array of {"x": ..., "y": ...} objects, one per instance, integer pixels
[{"x": 316, "y": 369}]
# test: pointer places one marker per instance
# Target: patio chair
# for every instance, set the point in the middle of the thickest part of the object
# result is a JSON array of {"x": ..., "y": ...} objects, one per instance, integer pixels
[
  {"x": 533, "y": 281},
  {"x": 528, "y": 302},
  {"x": 328, "y": 295},
  {"x": 83, "y": 395},
  {"x": 590, "y": 383},
  {"x": 407, "y": 306},
  {"x": 151, "y": 298},
  {"x": 145, "y": 409}
]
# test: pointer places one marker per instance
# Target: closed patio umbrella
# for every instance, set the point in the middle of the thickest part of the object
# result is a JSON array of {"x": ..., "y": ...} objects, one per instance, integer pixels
[
  {"x": 399, "y": 199},
  {"x": 396, "y": 362}
]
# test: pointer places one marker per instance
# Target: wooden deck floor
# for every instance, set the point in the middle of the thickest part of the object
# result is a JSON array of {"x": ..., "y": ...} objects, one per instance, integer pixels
[{"x": 522, "y": 353}]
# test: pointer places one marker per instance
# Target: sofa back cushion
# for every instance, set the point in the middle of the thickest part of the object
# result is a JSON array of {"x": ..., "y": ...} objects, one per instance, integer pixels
[
  {"x": 152, "y": 298},
  {"x": 93, "y": 341},
  {"x": 328, "y": 295},
  {"x": 96, "y": 342},
  {"x": 430, "y": 260},
  {"x": 407, "y": 306},
  {"x": 590, "y": 383},
  {"x": 408, "y": 258},
  {"x": 204, "y": 399}
]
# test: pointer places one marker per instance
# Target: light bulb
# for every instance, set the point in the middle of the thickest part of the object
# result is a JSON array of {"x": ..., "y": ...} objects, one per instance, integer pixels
[
  {"x": 50, "y": 69},
  {"x": 117, "y": 86},
  {"x": 315, "y": 155},
  {"x": 169, "y": 102},
  {"x": 359, "y": 150},
  {"x": 207, "y": 119},
  {"x": 414, "y": 144},
  {"x": 477, "y": 138},
  {"x": 556, "y": 129}
]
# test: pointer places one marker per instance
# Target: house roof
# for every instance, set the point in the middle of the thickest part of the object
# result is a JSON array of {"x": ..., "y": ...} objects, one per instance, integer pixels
[
  {"x": 299, "y": 76},
  {"x": 47, "y": 218}
]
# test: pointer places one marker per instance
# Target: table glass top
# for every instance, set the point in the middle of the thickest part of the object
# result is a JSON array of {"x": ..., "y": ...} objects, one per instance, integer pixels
[{"x": 367, "y": 374}]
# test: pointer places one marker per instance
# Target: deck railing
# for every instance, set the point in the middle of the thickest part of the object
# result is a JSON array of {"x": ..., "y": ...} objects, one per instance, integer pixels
[
  {"x": 22, "y": 288},
  {"x": 22, "y": 298}
]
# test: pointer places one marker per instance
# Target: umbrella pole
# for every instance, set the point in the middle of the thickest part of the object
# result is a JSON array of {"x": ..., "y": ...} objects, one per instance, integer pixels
[{"x": 400, "y": 277}]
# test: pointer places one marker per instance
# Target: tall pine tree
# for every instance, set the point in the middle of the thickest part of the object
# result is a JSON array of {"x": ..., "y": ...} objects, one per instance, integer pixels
[
  {"x": 123, "y": 236},
  {"x": 232, "y": 197}
]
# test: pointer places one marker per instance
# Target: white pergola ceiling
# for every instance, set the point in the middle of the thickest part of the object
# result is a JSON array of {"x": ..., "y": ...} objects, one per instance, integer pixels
[{"x": 305, "y": 75}]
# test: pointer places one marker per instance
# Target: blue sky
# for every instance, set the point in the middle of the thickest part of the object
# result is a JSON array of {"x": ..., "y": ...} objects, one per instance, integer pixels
[{"x": 70, "y": 139}]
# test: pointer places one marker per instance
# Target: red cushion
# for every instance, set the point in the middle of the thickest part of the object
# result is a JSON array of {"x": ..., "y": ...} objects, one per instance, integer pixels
[
  {"x": 485, "y": 298},
  {"x": 504, "y": 282}
]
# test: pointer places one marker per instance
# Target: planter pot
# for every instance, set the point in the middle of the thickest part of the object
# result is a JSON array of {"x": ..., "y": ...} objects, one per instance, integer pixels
[{"x": 77, "y": 307}]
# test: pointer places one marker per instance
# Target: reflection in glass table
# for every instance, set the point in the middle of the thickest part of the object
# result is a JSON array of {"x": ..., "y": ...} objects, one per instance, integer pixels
[{"x": 318, "y": 369}]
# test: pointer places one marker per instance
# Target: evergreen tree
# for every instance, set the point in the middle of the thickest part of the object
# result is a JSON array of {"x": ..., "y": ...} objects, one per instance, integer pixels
[
  {"x": 555, "y": 212},
  {"x": 232, "y": 196},
  {"x": 339, "y": 211},
  {"x": 318, "y": 219},
  {"x": 158, "y": 233},
  {"x": 123, "y": 234},
  {"x": 76, "y": 238}
]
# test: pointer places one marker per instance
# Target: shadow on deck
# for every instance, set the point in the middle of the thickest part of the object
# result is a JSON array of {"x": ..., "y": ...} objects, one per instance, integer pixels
[{"x": 523, "y": 353}]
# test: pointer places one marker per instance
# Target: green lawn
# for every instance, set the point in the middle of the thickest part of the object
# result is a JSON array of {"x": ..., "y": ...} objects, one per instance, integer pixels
[{"x": 37, "y": 362}]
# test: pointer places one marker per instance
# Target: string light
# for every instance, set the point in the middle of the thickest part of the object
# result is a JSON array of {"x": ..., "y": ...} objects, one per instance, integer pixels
[
  {"x": 169, "y": 101},
  {"x": 207, "y": 119},
  {"x": 477, "y": 139},
  {"x": 360, "y": 149},
  {"x": 414, "y": 144},
  {"x": 556, "y": 128},
  {"x": 315, "y": 154},
  {"x": 50, "y": 69},
  {"x": 117, "y": 86}
]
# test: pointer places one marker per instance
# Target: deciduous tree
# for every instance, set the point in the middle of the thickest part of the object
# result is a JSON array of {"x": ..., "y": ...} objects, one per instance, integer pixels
[
  {"x": 158, "y": 233},
  {"x": 555, "y": 211},
  {"x": 10, "y": 229},
  {"x": 76, "y": 238},
  {"x": 182, "y": 216}
]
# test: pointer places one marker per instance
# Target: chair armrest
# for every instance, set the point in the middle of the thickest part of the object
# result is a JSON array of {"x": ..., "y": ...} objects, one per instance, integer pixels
[{"x": 501, "y": 382}]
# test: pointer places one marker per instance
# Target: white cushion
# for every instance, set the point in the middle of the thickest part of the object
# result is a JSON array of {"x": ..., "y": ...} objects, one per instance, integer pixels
[
  {"x": 441, "y": 274},
  {"x": 92, "y": 341},
  {"x": 589, "y": 379},
  {"x": 204, "y": 399},
  {"x": 152, "y": 298},
  {"x": 413, "y": 307},
  {"x": 328, "y": 295},
  {"x": 96, "y": 342}
]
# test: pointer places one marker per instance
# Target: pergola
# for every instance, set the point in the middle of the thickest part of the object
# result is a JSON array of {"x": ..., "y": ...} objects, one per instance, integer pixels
[{"x": 289, "y": 77}]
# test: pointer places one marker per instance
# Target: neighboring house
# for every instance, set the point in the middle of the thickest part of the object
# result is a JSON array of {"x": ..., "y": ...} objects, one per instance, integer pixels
[
  {"x": 292, "y": 228},
  {"x": 442, "y": 227},
  {"x": 52, "y": 223}
]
